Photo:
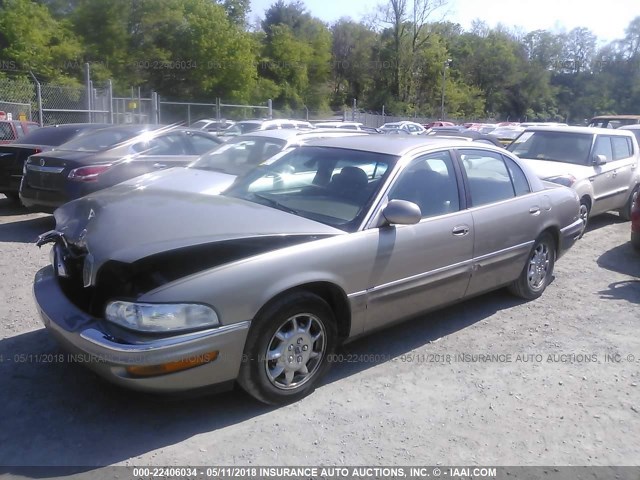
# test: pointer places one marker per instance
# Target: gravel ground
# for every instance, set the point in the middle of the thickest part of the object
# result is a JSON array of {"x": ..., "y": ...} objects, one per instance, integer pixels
[{"x": 562, "y": 386}]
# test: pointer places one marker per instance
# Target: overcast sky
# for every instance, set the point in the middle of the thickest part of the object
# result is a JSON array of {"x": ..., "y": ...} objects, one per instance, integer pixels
[{"x": 606, "y": 18}]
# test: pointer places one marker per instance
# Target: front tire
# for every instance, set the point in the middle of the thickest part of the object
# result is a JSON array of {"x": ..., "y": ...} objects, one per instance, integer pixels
[
  {"x": 287, "y": 350},
  {"x": 585, "y": 210},
  {"x": 538, "y": 271}
]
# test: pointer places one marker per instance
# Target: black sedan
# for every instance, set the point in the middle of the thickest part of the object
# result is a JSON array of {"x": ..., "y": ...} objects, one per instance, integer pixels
[
  {"x": 13, "y": 156},
  {"x": 107, "y": 157}
]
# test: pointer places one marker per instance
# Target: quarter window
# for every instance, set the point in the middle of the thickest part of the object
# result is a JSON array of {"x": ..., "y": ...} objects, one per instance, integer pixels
[
  {"x": 621, "y": 147},
  {"x": 488, "y": 177},
  {"x": 430, "y": 183},
  {"x": 519, "y": 179}
]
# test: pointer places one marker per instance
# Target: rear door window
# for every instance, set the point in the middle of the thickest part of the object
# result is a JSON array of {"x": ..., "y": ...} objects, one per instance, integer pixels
[{"x": 488, "y": 177}]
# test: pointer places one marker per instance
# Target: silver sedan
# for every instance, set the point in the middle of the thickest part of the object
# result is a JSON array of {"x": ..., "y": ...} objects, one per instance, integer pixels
[{"x": 168, "y": 289}]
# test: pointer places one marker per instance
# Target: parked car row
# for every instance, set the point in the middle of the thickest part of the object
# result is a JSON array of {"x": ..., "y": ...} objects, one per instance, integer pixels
[{"x": 250, "y": 263}]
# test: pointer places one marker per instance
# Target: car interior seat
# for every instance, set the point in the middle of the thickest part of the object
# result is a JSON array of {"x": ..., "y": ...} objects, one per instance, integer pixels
[{"x": 350, "y": 184}]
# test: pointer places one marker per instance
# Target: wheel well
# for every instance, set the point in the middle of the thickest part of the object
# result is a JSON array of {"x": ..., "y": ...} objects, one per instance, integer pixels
[
  {"x": 335, "y": 298},
  {"x": 555, "y": 234},
  {"x": 586, "y": 199}
]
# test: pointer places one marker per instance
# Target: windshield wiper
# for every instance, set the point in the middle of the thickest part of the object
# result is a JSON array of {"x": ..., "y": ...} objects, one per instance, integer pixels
[{"x": 276, "y": 204}]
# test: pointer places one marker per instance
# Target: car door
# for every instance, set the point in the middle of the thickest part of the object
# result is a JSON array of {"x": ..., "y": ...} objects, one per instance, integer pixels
[
  {"x": 164, "y": 151},
  {"x": 506, "y": 217},
  {"x": 158, "y": 153},
  {"x": 609, "y": 192},
  {"x": 419, "y": 267},
  {"x": 199, "y": 143},
  {"x": 625, "y": 163}
]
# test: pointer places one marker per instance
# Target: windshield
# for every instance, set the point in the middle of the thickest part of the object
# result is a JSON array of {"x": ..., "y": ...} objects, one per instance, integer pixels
[
  {"x": 101, "y": 139},
  {"x": 507, "y": 133},
  {"x": 240, "y": 128},
  {"x": 613, "y": 122},
  {"x": 554, "y": 146},
  {"x": 333, "y": 186},
  {"x": 239, "y": 155}
]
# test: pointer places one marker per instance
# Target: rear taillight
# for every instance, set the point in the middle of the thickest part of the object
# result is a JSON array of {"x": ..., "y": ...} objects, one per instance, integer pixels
[
  {"x": 88, "y": 174},
  {"x": 36, "y": 150}
]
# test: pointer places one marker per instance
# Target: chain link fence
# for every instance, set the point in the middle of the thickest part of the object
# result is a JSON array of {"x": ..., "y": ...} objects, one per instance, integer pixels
[
  {"x": 190, "y": 112},
  {"x": 349, "y": 115},
  {"x": 58, "y": 104}
]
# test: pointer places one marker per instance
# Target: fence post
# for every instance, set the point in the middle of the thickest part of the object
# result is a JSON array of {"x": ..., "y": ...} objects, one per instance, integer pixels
[
  {"x": 270, "y": 109},
  {"x": 38, "y": 98},
  {"x": 139, "y": 107},
  {"x": 218, "y": 113},
  {"x": 87, "y": 85},
  {"x": 353, "y": 110},
  {"x": 110, "y": 100},
  {"x": 155, "y": 108}
]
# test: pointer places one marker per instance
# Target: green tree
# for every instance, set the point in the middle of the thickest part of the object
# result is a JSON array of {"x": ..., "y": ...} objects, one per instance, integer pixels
[{"x": 33, "y": 40}]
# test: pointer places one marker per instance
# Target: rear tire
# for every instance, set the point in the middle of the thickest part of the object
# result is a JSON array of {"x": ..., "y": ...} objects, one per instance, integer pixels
[
  {"x": 538, "y": 271},
  {"x": 625, "y": 212},
  {"x": 288, "y": 349},
  {"x": 13, "y": 197}
]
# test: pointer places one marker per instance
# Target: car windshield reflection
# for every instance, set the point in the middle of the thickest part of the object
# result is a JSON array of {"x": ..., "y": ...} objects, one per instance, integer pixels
[
  {"x": 554, "y": 147},
  {"x": 239, "y": 155},
  {"x": 333, "y": 186}
]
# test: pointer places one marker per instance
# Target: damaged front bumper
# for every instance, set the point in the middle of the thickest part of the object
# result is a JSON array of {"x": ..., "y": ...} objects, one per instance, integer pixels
[{"x": 216, "y": 354}]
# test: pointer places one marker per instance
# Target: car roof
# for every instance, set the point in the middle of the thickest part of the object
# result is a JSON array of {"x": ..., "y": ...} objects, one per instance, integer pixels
[
  {"x": 75, "y": 126},
  {"x": 630, "y": 127},
  {"x": 589, "y": 130},
  {"x": 289, "y": 133},
  {"x": 616, "y": 117},
  {"x": 396, "y": 145}
]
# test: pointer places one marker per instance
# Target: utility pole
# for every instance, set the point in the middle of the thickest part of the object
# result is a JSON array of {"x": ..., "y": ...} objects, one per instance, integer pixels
[{"x": 444, "y": 82}]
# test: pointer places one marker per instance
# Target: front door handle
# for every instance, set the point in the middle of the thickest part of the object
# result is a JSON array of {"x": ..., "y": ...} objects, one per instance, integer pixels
[
  {"x": 159, "y": 165},
  {"x": 534, "y": 210},
  {"x": 460, "y": 230}
]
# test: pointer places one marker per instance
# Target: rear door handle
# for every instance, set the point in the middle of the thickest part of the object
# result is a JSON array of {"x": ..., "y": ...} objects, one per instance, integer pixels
[
  {"x": 159, "y": 165},
  {"x": 534, "y": 210},
  {"x": 460, "y": 230}
]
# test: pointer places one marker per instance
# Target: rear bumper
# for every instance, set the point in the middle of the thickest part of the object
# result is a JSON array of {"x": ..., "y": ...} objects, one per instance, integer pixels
[
  {"x": 41, "y": 200},
  {"x": 87, "y": 341},
  {"x": 568, "y": 236}
]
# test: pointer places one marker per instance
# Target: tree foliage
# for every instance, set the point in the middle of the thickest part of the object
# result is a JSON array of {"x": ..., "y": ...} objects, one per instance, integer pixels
[{"x": 404, "y": 60}]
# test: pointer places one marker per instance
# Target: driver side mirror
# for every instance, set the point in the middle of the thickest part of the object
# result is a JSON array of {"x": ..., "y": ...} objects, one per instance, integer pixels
[
  {"x": 401, "y": 212},
  {"x": 599, "y": 160}
]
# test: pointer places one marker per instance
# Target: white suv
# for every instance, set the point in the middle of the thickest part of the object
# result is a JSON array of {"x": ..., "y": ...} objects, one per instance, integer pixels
[
  {"x": 600, "y": 164},
  {"x": 412, "y": 128}
]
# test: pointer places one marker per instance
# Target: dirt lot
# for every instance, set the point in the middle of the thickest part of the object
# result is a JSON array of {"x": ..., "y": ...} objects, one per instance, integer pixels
[{"x": 562, "y": 387}]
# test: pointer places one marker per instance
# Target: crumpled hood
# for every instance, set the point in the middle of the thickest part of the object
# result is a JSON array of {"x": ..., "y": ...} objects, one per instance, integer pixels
[
  {"x": 545, "y": 169},
  {"x": 136, "y": 219}
]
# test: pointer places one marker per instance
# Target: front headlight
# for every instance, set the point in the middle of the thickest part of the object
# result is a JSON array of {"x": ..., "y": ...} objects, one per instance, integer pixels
[
  {"x": 566, "y": 180},
  {"x": 161, "y": 317}
]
